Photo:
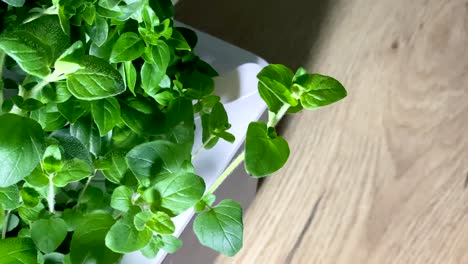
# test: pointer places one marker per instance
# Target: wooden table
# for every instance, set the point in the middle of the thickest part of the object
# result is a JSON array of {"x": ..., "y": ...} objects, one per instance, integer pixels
[{"x": 381, "y": 176}]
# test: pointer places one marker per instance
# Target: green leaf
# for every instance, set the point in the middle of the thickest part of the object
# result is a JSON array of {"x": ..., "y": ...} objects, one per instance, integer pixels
[
  {"x": 2, "y": 216},
  {"x": 29, "y": 196},
  {"x": 52, "y": 160},
  {"x": 21, "y": 148},
  {"x": 265, "y": 152},
  {"x": 86, "y": 131},
  {"x": 97, "y": 80},
  {"x": 206, "y": 201},
  {"x": 73, "y": 170},
  {"x": 15, "y": 3},
  {"x": 59, "y": 94},
  {"x": 18, "y": 250},
  {"x": 64, "y": 20},
  {"x": 109, "y": 3},
  {"x": 161, "y": 55},
  {"x": 117, "y": 167},
  {"x": 89, "y": 14},
  {"x": 35, "y": 45},
  {"x": 28, "y": 105},
  {"x": 48, "y": 234},
  {"x": 141, "y": 123},
  {"x": 179, "y": 192},
  {"x": 99, "y": 31},
  {"x": 124, "y": 231},
  {"x": 198, "y": 85},
  {"x": 73, "y": 109},
  {"x": 141, "y": 219},
  {"x": 151, "y": 76},
  {"x": 151, "y": 250},
  {"x": 10, "y": 197},
  {"x": 221, "y": 228},
  {"x": 49, "y": 117},
  {"x": 274, "y": 104},
  {"x": 277, "y": 79},
  {"x": 31, "y": 214},
  {"x": 318, "y": 90},
  {"x": 87, "y": 244},
  {"x": 161, "y": 223},
  {"x": 128, "y": 47},
  {"x": 122, "y": 198},
  {"x": 54, "y": 258},
  {"x": 130, "y": 75},
  {"x": 37, "y": 178},
  {"x": 164, "y": 98},
  {"x": 106, "y": 114},
  {"x": 155, "y": 159},
  {"x": 170, "y": 243},
  {"x": 13, "y": 222},
  {"x": 70, "y": 60},
  {"x": 72, "y": 146}
]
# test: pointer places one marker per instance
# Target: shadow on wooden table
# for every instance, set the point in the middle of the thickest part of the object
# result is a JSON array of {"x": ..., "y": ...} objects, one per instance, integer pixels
[{"x": 267, "y": 28}]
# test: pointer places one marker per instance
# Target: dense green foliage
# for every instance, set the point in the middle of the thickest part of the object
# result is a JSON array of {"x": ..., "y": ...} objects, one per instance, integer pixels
[{"x": 96, "y": 141}]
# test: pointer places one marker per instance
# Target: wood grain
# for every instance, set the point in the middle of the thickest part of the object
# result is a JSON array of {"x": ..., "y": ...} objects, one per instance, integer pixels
[{"x": 379, "y": 177}]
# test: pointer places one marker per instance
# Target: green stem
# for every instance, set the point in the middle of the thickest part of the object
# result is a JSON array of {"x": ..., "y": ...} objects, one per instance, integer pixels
[
  {"x": 194, "y": 155},
  {"x": 227, "y": 172},
  {"x": 273, "y": 119},
  {"x": 51, "y": 195},
  {"x": 2, "y": 60},
  {"x": 84, "y": 190},
  {"x": 5, "y": 224},
  {"x": 36, "y": 89}
]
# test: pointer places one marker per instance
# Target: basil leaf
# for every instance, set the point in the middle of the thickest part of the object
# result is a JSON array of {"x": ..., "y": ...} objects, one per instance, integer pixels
[
  {"x": 274, "y": 104},
  {"x": 319, "y": 90},
  {"x": 99, "y": 31},
  {"x": 122, "y": 198},
  {"x": 49, "y": 117},
  {"x": 106, "y": 114},
  {"x": 54, "y": 258},
  {"x": 70, "y": 60},
  {"x": 131, "y": 76},
  {"x": 10, "y": 197},
  {"x": 35, "y": 45},
  {"x": 37, "y": 178},
  {"x": 170, "y": 244},
  {"x": 151, "y": 250},
  {"x": 15, "y": 3},
  {"x": 87, "y": 244},
  {"x": 21, "y": 148},
  {"x": 117, "y": 167},
  {"x": 89, "y": 14},
  {"x": 141, "y": 219},
  {"x": 72, "y": 171},
  {"x": 29, "y": 196},
  {"x": 52, "y": 160},
  {"x": 151, "y": 76},
  {"x": 96, "y": 80},
  {"x": 179, "y": 192},
  {"x": 128, "y": 47},
  {"x": 141, "y": 123},
  {"x": 72, "y": 146},
  {"x": 31, "y": 213},
  {"x": 86, "y": 131},
  {"x": 124, "y": 231},
  {"x": 221, "y": 228},
  {"x": 278, "y": 79},
  {"x": 161, "y": 55},
  {"x": 48, "y": 234},
  {"x": 73, "y": 109},
  {"x": 155, "y": 159},
  {"x": 18, "y": 250},
  {"x": 59, "y": 94},
  {"x": 198, "y": 85},
  {"x": 161, "y": 223},
  {"x": 265, "y": 152}
]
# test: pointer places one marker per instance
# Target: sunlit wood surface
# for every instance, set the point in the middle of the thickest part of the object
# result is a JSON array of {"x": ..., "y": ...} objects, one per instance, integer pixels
[{"x": 380, "y": 177}]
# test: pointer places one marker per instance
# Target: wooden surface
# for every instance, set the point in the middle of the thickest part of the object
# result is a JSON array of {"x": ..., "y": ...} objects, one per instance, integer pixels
[{"x": 379, "y": 177}]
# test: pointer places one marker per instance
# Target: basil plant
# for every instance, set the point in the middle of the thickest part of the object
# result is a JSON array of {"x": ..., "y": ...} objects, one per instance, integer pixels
[{"x": 98, "y": 100}]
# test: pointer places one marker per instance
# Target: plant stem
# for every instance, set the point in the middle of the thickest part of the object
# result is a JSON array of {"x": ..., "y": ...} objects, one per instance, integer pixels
[
  {"x": 5, "y": 224},
  {"x": 194, "y": 155},
  {"x": 2, "y": 60},
  {"x": 227, "y": 172},
  {"x": 273, "y": 119},
  {"x": 51, "y": 195},
  {"x": 84, "y": 190},
  {"x": 36, "y": 89}
]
